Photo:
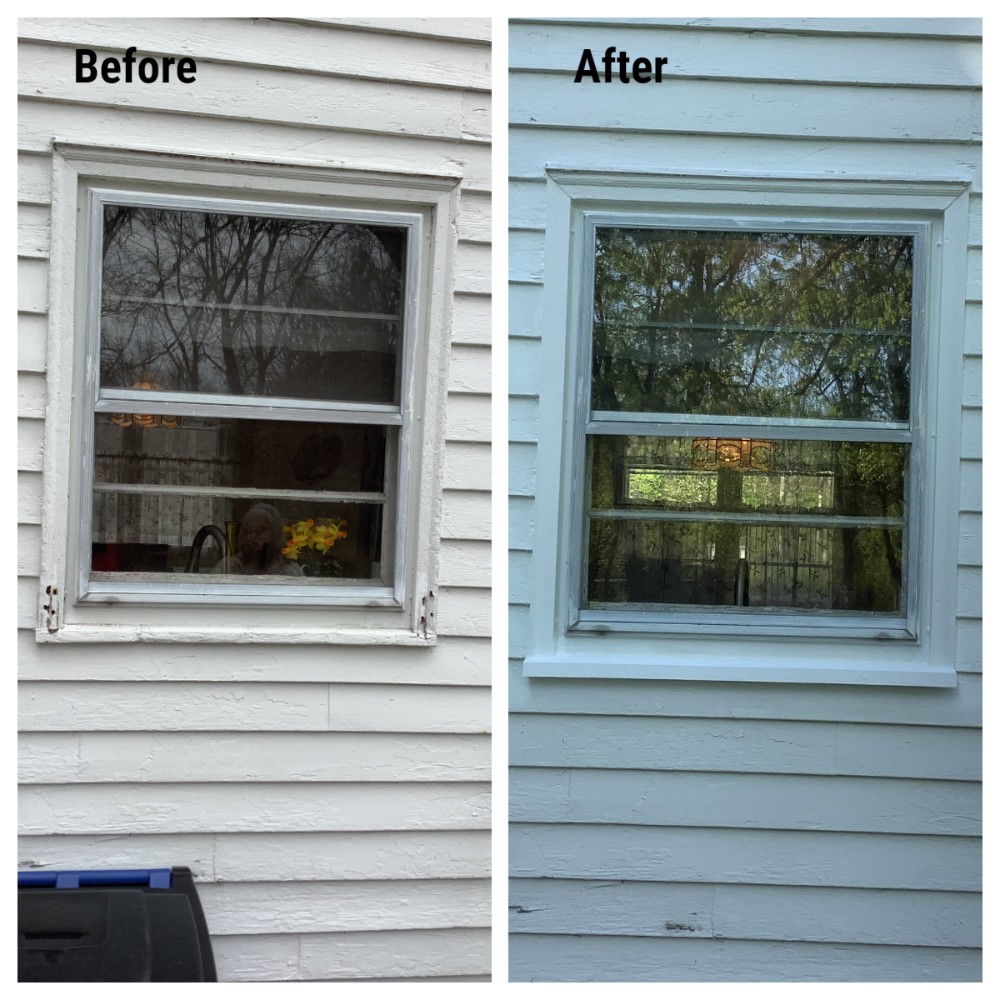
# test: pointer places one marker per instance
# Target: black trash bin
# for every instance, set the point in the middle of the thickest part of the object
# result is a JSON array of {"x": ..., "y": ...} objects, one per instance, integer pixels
[{"x": 142, "y": 925}]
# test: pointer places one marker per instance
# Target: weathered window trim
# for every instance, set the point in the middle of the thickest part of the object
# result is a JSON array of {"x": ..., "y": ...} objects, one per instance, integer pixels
[
  {"x": 71, "y": 608},
  {"x": 917, "y": 650}
]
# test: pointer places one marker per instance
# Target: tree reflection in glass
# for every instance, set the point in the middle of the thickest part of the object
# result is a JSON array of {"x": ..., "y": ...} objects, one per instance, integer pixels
[
  {"x": 248, "y": 305},
  {"x": 754, "y": 324}
]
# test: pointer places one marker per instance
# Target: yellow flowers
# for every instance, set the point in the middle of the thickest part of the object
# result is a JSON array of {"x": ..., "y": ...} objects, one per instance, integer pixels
[{"x": 319, "y": 535}]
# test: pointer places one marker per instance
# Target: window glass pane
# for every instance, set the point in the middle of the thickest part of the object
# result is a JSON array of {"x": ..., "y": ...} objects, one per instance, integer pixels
[
  {"x": 647, "y": 563},
  {"x": 248, "y": 305},
  {"x": 287, "y": 540},
  {"x": 242, "y": 497},
  {"x": 753, "y": 476},
  {"x": 132, "y": 448},
  {"x": 752, "y": 324},
  {"x": 803, "y": 524}
]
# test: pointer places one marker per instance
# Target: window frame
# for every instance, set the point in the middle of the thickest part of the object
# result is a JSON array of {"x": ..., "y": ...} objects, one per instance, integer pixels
[
  {"x": 181, "y": 404},
  {"x": 701, "y": 646},
  {"x": 72, "y": 610},
  {"x": 697, "y": 617}
]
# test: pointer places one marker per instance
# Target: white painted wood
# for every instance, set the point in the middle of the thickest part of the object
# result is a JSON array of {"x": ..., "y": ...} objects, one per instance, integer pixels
[
  {"x": 703, "y": 106},
  {"x": 454, "y": 660},
  {"x": 323, "y": 856},
  {"x": 467, "y": 465},
  {"x": 465, "y": 564},
  {"x": 427, "y": 60},
  {"x": 525, "y": 311},
  {"x": 972, "y": 382},
  {"x": 472, "y": 29},
  {"x": 521, "y": 459},
  {"x": 261, "y": 141},
  {"x": 462, "y": 611},
  {"x": 468, "y": 417},
  {"x": 30, "y": 433},
  {"x": 31, "y": 334},
  {"x": 260, "y": 807},
  {"x": 692, "y": 798},
  {"x": 316, "y": 101},
  {"x": 911, "y": 27},
  {"x": 524, "y": 376},
  {"x": 767, "y": 857},
  {"x": 270, "y": 907},
  {"x": 32, "y": 285},
  {"x": 959, "y": 707},
  {"x": 109, "y": 706},
  {"x": 974, "y": 280},
  {"x": 471, "y": 320},
  {"x": 353, "y": 956},
  {"x": 764, "y": 56},
  {"x": 970, "y": 592},
  {"x": 474, "y": 223},
  {"x": 747, "y": 912},
  {"x": 592, "y": 149},
  {"x": 63, "y": 757},
  {"x": 972, "y": 433},
  {"x": 585, "y": 958},
  {"x": 34, "y": 179},
  {"x": 29, "y": 539},
  {"x": 29, "y": 497},
  {"x": 31, "y": 395},
  {"x": 971, "y": 484},
  {"x": 526, "y": 253},
  {"x": 974, "y": 328},
  {"x": 472, "y": 271},
  {"x": 970, "y": 539},
  {"x": 469, "y": 369},
  {"x": 523, "y": 418},
  {"x": 748, "y": 745},
  {"x": 521, "y": 528},
  {"x": 463, "y": 513},
  {"x": 969, "y": 647},
  {"x": 33, "y": 231}
]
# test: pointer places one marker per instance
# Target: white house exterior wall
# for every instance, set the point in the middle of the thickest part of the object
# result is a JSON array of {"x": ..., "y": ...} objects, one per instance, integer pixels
[
  {"x": 686, "y": 830},
  {"x": 332, "y": 801}
]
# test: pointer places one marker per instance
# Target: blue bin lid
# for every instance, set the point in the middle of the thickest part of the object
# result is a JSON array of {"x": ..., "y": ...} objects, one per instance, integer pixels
[{"x": 151, "y": 878}]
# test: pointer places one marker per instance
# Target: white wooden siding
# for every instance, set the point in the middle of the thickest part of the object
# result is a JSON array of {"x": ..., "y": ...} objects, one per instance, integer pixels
[
  {"x": 333, "y": 802},
  {"x": 707, "y": 831}
]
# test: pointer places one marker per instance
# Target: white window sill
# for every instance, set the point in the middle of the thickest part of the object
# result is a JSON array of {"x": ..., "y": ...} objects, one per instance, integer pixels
[
  {"x": 335, "y": 636},
  {"x": 845, "y": 670}
]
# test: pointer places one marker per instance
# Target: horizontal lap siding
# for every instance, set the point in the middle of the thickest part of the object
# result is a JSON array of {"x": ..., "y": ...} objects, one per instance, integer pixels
[
  {"x": 697, "y": 832},
  {"x": 332, "y": 802}
]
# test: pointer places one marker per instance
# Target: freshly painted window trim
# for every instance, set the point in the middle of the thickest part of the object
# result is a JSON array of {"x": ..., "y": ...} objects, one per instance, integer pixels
[
  {"x": 566, "y": 643},
  {"x": 426, "y": 205}
]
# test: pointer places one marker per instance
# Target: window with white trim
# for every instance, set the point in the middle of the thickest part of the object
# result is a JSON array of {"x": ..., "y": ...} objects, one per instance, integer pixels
[
  {"x": 244, "y": 433},
  {"x": 742, "y": 468}
]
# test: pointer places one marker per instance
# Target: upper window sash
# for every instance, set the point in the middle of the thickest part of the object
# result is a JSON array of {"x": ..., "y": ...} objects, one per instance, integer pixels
[{"x": 629, "y": 227}]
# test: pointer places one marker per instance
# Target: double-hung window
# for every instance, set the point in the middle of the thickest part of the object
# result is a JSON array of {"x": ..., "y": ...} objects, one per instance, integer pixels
[
  {"x": 748, "y": 435},
  {"x": 243, "y": 436},
  {"x": 747, "y": 453},
  {"x": 246, "y": 365}
]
